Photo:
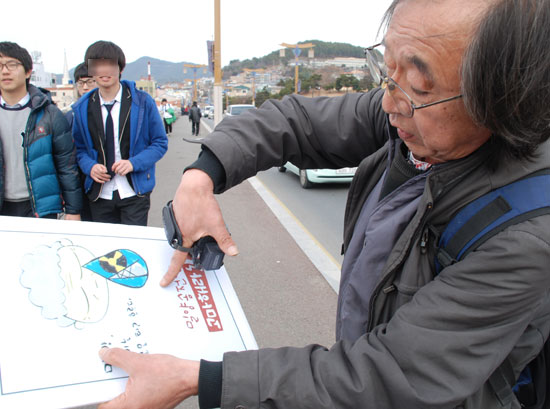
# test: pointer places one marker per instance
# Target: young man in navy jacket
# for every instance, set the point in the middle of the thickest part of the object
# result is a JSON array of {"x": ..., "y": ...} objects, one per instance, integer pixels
[
  {"x": 38, "y": 172},
  {"x": 119, "y": 137}
]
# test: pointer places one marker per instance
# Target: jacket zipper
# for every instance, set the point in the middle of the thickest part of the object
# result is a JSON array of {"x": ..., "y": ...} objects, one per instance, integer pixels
[
  {"x": 104, "y": 164},
  {"x": 382, "y": 284},
  {"x": 28, "y": 172},
  {"x": 123, "y": 127}
]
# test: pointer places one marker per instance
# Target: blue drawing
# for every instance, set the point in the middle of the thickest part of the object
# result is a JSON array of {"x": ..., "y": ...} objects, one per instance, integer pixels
[{"x": 70, "y": 284}]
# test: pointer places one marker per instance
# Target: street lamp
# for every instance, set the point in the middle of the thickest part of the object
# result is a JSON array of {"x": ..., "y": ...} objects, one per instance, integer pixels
[
  {"x": 194, "y": 67},
  {"x": 297, "y": 49},
  {"x": 218, "y": 85},
  {"x": 254, "y": 71}
]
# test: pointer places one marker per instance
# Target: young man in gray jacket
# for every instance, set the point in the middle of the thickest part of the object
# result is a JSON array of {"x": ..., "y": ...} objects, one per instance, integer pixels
[{"x": 462, "y": 113}]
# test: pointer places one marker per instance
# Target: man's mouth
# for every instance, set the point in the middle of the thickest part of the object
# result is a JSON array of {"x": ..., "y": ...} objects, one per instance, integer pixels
[{"x": 404, "y": 135}]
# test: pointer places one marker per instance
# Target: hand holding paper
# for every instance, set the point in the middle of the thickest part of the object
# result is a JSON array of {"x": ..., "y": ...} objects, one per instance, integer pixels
[{"x": 156, "y": 381}]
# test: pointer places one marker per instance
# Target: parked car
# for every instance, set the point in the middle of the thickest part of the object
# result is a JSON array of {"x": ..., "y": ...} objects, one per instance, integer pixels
[
  {"x": 233, "y": 110},
  {"x": 309, "y": 177},
  {"x": 209, "y": 111}
]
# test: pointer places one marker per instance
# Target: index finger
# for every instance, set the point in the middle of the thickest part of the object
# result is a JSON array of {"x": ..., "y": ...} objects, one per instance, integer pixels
[{"x": 176, "y": 264}]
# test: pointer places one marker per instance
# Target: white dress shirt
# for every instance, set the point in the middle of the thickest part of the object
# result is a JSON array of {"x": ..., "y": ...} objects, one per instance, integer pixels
[{"x": 117, "y": 182}]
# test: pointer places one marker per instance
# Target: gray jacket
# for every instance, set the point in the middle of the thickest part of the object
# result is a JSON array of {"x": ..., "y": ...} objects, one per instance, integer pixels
[
  {"x": 195, "y": 114},
  {"x": 429, "y": 343}
]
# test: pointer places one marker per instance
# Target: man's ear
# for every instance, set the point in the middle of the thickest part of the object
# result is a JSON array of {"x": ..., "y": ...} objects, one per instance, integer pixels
[{"x": 28, "y": 73}]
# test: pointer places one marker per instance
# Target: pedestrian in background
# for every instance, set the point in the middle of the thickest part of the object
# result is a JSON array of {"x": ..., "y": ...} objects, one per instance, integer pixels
[
  {"x": 119, "y": 137},
  {"x": 38, "y": 171},
  {"x": 83, "y": 84},
  {"x": 168, "y": 115},
  {"x": 195, "y": 118}
]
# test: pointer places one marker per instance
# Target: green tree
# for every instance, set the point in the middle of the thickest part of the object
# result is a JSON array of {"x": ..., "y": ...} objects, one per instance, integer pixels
[
  {"x": 366, "y": 83},
  {"x": 312, "y": 81},
  {"x": 288, "y": 87},
  {"x": 262, "y": 96},
  {"x": 347, "y": 81}
]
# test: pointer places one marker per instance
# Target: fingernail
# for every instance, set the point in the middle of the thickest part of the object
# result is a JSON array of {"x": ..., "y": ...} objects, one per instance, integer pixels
[
  {"x": 233, "y": 250},
  {"x": 163, "y": 282}
]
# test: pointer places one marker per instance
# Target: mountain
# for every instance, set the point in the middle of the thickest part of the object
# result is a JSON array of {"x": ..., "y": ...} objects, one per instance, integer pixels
[
  {"x": 165, "y": 71},
  {"x": 162, "y": 71}
]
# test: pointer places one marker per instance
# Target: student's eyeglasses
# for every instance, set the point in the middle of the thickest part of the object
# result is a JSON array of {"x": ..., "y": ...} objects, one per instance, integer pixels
[
  {"x": 10, "y": 65},
  {"x": 403, "y": 101},
  {"x": 89, "y": 83}
]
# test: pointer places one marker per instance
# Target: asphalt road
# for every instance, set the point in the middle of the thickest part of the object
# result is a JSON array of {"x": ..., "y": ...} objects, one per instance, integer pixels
[{"x": 320, "y": 209}]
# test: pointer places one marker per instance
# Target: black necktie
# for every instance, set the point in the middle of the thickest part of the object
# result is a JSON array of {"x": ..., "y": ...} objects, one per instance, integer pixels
[{"x": 109, "y": 140}]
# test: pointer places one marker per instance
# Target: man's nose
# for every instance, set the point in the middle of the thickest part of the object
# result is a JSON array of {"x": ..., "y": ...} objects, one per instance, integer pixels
[{"x": 388, "y": 103}]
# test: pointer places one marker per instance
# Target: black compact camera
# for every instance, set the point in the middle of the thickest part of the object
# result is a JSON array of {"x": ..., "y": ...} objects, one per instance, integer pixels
[{"x": 205, "y": 252}]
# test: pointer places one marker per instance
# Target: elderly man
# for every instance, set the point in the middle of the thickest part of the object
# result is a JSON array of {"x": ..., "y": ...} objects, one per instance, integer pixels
[{"x": 463, "y": 111}]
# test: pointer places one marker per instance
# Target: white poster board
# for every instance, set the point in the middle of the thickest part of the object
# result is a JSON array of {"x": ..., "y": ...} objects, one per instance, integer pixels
[{"x": 69, "y": 288}]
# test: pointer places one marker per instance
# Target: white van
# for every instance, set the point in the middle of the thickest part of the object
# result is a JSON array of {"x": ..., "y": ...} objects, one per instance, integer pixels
[{"x": 209, "y": 111}]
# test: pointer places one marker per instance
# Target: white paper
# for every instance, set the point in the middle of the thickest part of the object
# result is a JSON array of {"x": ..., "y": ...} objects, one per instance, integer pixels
[{"x": 69, "y": 288}]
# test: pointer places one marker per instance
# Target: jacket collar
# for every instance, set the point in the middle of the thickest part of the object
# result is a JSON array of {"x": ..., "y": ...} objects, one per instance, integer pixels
[{"x": 39, "y": 97}]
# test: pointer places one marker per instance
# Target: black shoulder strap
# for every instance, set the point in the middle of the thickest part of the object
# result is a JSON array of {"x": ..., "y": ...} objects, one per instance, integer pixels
[{"x": 490, "y": 214}]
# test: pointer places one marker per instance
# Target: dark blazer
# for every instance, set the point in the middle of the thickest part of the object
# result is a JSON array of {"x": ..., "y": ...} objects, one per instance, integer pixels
[{"x": 97, "y": 131}]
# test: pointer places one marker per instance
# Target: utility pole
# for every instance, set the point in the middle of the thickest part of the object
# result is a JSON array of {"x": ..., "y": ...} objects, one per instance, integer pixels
[
  {"x": 254, "y": 71},
  {"x": 218, "y": 85},
  {"x": 194, "y": 67},
  {"x": 297, "y": 49}
]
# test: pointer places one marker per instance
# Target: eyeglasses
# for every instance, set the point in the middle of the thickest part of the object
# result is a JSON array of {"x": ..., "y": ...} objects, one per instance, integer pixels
[
  {"x": 10, "y": 65},
  {"x": 89, "y": 83},
  {"x": 405, "y": 106}
]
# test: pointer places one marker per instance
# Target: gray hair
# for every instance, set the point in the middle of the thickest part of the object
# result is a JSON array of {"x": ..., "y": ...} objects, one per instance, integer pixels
[{"x": 506, "y": 76}]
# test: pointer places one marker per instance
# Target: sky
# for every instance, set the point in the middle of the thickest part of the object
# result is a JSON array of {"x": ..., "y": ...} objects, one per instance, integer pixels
[{"x": 177, "y": 30}]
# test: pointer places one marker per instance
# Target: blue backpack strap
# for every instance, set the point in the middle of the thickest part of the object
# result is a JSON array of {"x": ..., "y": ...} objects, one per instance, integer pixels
[{"x": 490, "y": 214}]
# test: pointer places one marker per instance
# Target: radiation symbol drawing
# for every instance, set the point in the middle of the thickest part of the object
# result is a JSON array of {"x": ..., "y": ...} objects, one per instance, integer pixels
[
  {"x": 70, "y": 284},
  {"x": 123, "y": 267}
]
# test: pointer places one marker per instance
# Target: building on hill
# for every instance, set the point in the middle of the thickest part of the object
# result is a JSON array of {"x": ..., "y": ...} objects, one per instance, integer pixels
[
  {"x": 347, "y": 62},
  {"x": 239, "y": 91}
]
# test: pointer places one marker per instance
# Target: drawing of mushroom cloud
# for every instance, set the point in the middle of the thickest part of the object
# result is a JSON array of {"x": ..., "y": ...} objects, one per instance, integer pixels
[{"x": 70, "y": 285}]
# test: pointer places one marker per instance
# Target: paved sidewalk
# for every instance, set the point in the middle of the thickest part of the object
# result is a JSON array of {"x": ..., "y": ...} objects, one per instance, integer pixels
[{"x": 285, "y": 298}]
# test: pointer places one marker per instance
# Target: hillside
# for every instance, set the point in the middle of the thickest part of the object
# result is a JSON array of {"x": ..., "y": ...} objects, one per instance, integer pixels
[{"x": 322, "y": 49}]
